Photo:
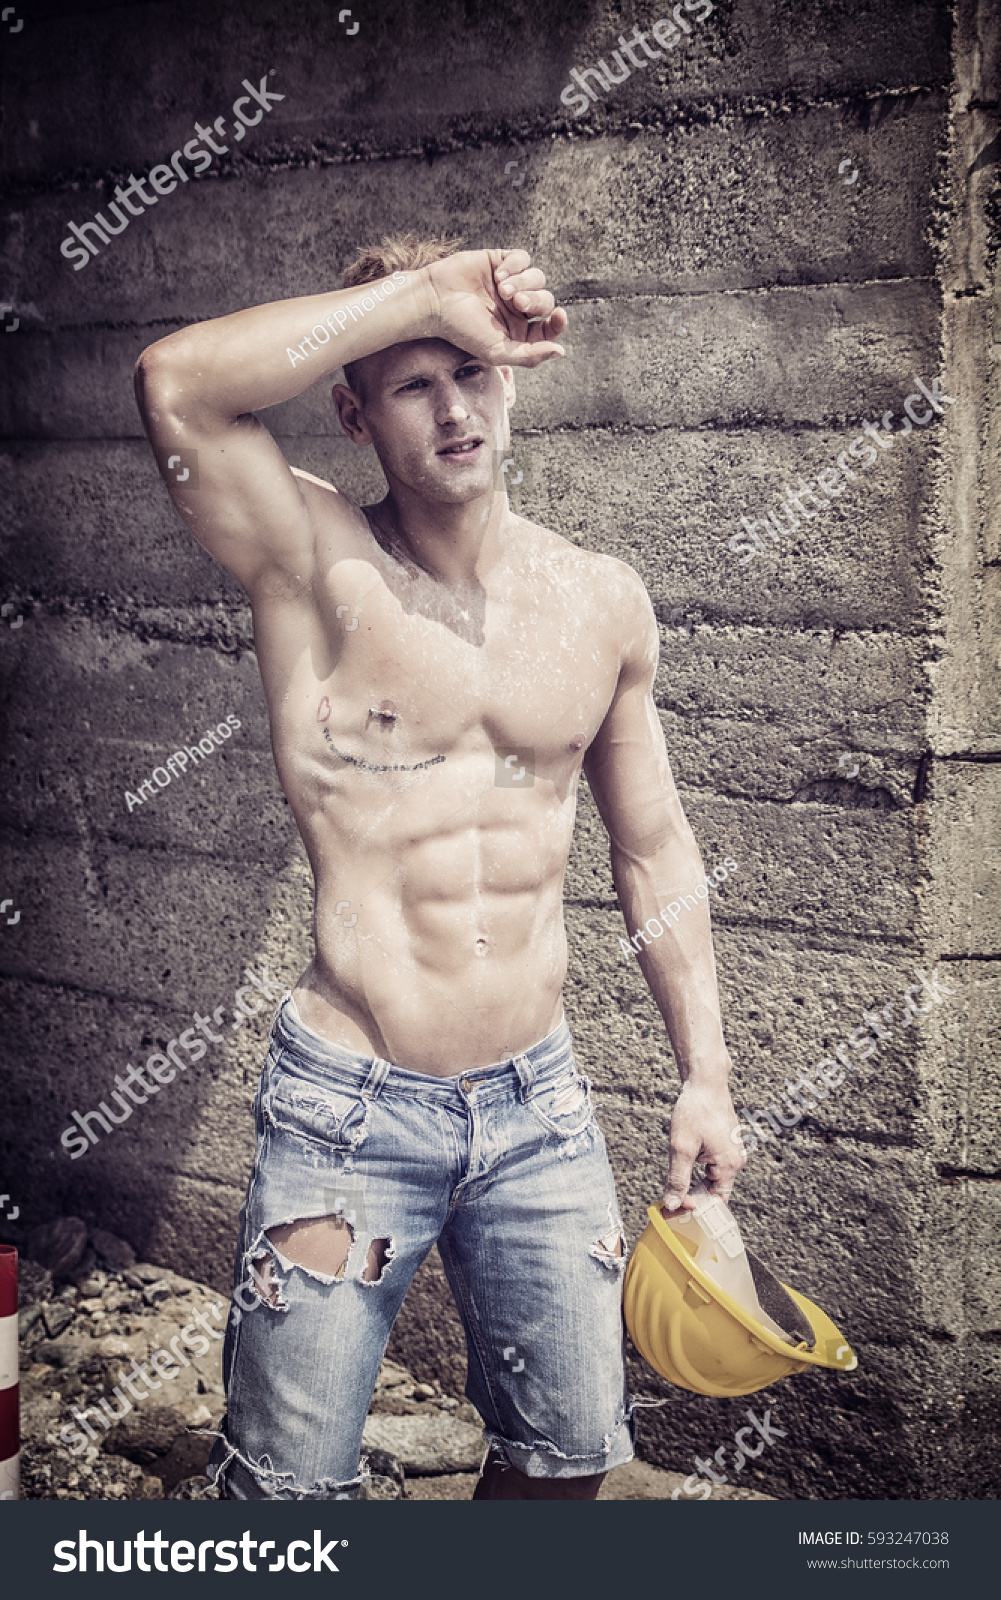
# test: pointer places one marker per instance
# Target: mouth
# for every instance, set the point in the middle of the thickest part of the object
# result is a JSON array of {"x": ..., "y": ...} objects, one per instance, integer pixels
[{"x": 462, "y": 450}]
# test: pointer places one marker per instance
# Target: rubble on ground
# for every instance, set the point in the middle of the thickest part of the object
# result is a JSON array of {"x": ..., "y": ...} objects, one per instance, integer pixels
[{"x": 87, "y": 1308}]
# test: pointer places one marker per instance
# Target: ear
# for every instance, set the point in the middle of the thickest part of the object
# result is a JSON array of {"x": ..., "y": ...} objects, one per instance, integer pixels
[{"x": 349, "y": 410}]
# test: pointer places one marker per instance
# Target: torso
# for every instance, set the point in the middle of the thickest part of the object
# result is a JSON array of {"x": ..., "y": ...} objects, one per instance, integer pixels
[{"x": 438, "y": 860}]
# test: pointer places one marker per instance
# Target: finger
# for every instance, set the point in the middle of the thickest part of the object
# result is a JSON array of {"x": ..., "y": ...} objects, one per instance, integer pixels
[
  {"x": 532, "y": 278},
  {"x": 507, "y": 262},
  {"x": 536, "y": 305},
  {"x": 722, "y": 1176},
  {"x": 552, "y": 327},
  {"x": 678, "y": 1181}
]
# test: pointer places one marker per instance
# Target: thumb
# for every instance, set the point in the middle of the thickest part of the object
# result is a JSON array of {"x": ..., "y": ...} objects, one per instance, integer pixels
[
  {"x": 679, "y": 1178},
  {"x": 529, "y": 354}
]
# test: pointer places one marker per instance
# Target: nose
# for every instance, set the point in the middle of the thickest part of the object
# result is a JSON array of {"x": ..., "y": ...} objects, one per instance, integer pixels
[{"x": 451, "y": 410}]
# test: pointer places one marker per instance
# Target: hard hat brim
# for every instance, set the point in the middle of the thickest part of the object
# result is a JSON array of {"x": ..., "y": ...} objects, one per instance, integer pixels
[{"x": 747, "y": 1356}]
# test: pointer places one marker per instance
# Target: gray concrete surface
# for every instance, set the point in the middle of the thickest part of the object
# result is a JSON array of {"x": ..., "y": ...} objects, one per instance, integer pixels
[{"x": 737, "y": 310}]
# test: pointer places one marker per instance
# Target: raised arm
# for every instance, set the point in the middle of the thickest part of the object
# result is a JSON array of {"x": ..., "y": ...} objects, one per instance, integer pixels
[
  {"x": 655, "y": 859},
  {"x": 198, "y": 389}
]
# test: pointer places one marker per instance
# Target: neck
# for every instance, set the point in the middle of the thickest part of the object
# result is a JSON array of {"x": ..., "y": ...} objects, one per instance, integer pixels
[{"x": 454, "y": 544}]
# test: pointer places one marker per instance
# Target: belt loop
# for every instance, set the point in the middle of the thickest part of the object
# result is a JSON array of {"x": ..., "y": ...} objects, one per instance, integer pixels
[
  {"x": 526, "y": 1077},
  {"x": 377, "y": 1074}
]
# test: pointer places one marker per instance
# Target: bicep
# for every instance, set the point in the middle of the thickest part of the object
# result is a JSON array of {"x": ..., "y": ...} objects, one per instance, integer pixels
[{"x": 227, "y": 477}]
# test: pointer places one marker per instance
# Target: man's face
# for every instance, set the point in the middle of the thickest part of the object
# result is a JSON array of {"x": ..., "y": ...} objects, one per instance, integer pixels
[{"x": 438, "y": 418}]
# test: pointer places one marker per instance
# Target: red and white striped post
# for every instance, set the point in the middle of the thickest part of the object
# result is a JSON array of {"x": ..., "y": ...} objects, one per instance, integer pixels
[{"x": 10, "y": 1431}]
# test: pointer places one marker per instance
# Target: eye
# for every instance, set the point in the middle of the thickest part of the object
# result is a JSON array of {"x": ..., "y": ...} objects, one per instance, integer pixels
[
  {"x": 414, "y": 384},
  {"x": 471, "y": 371}
]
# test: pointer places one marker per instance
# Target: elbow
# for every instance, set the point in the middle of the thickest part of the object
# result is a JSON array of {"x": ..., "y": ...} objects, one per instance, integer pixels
[
  {"x": 161, "y": 379},
  {"x": 151, "y": 377}
]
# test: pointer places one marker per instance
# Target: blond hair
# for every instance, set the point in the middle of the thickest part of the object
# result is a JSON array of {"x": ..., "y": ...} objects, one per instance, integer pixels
[{"x": 398, "y": 252}]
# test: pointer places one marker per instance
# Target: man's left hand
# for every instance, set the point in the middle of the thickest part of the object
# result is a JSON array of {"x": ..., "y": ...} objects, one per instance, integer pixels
[{"x": 701, "y": 1125}]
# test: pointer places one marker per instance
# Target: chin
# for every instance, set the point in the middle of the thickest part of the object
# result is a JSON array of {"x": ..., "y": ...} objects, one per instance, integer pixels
[{"x": 448, "y": 490}]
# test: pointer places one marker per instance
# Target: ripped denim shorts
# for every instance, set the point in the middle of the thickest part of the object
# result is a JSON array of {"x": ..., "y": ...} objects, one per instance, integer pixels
[{"x": 504, "y": 1167}]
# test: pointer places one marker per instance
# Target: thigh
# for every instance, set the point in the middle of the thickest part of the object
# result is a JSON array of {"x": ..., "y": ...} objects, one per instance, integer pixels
[
  {"x": 535, "y": 1253},
  {"x": 315, "y": 1314}
]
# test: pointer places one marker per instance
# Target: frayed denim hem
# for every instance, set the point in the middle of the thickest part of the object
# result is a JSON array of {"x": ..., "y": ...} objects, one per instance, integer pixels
[
  {"x": 239, "y": 1478},
  {"x": 543, "y": 1459}
]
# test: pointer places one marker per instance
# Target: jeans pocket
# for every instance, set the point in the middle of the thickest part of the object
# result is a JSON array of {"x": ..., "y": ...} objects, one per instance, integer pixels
[
  {"x": 306, "y": 1109},
  {"x": 563, "y": 1105}
]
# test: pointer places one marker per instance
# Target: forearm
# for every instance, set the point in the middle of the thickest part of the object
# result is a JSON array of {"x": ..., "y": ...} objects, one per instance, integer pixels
[
  {"x": 678, "y": 964},
  {"x": 256, "y": 358}
]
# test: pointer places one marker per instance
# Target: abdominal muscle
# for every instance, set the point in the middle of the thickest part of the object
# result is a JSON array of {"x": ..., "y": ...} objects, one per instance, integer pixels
[{"x": 440, "y": 942}]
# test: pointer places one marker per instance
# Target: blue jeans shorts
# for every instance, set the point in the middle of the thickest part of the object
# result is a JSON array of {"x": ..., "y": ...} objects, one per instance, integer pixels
[{"x": 505, "y": 1168}]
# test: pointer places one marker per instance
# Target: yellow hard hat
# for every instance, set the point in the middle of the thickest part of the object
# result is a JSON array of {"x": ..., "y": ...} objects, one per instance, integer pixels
[{"x": 710, "y": 1317}]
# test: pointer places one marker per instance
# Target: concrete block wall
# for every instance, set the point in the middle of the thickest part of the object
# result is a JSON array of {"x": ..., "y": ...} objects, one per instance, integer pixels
[{"x": 737, "y": 310}]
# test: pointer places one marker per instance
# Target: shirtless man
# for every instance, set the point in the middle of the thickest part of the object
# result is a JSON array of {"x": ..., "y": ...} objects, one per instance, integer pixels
[{"x": 438, "y": 671}]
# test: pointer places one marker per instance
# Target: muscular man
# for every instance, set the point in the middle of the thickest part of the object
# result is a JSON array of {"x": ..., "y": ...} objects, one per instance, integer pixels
[{"x": 438, "y": 672}]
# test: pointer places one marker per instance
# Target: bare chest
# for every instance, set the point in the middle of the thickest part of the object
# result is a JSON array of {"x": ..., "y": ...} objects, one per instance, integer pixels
[{"x": 414, "y": 673}]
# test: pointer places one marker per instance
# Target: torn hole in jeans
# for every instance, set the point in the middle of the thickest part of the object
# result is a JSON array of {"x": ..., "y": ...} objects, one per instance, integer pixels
[
  {"x": 320, "y": 1246},
  {"x": 610, "y": 1249}
]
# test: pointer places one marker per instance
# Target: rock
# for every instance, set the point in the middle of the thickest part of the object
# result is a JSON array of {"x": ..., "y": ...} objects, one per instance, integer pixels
[
  {"x": 426, "y": 1445},
  {"x": 382, "y": 1465},
  {"x": 57, "y": 1318},
  {"x": 84, "y": 1267},
  {"x": 120, "y": 1298},
  {"x": 114, "y": 1252},
  {"x": 146, "y": 1433},
  {"x": 156, "y": 1292},
  {"x": 27, "y": 1317},
  {"x": 390, "y": 1375},
  {"x": 34, "y": 1282},
  {"x": 94, "y": 1284},
  {"x": 58, "y": 1353},
  {"x": 195, "y": 1489},
  {"x": 141, "y": 1274},
  {"x": 113, "y": 1344},
  {"x": 392, "y": 1403},
  {"x": 379, "y": 1488},
  {"x": 58, "y": 1245}
]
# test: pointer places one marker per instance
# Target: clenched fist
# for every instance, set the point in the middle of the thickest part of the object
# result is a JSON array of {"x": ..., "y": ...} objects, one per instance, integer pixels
[
  {"x": 495, "y": 305},
  {"x": 701, "y": 1124}
]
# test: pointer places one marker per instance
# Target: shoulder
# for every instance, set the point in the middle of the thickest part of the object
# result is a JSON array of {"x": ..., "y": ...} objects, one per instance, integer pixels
[
  {"x": 624, "y": 587},
  {"x": 620, "y": 593}
]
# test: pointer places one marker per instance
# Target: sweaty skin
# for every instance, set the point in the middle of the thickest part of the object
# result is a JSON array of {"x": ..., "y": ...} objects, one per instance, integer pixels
[{"x": 431, "y": 746}]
